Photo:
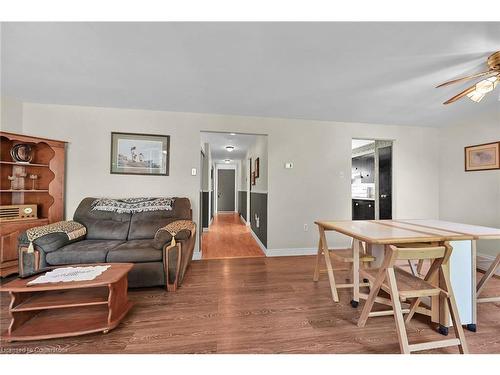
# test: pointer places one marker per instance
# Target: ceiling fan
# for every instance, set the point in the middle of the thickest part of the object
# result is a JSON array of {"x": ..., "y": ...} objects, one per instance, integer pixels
[{"x": 477, "y": 92}]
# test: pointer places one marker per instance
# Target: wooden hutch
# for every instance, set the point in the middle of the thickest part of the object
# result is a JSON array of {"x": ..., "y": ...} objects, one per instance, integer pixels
[{"x": 45, "y": 190}]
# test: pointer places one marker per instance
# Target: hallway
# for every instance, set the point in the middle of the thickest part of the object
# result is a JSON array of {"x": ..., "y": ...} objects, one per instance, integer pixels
[{"x": 228, "y": 237}]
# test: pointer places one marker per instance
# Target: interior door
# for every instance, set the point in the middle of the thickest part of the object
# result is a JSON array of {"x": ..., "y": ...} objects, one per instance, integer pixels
[
  {"x": 385, "y": 182},
  {"x": 225, "y": 190}
]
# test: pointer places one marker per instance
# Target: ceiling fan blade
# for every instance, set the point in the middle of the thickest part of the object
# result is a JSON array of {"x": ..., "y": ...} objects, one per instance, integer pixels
[
  {"x": 468, "y": 77},
  {"x": 460, "y": 95}
]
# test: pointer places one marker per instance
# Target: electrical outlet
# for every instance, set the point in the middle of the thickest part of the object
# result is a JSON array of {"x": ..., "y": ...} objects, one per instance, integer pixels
[
  {"x": 193, "y": 171},
  {"x": 306, "y": 227}
]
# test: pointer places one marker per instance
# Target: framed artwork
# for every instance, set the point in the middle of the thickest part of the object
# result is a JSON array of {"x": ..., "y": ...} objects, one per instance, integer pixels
[
  {"x": 141, "y": 154},
  {"x": 253, "y": 178},
  {"x": 257, "y": 168},
  {"x": 482, "y": 157}
]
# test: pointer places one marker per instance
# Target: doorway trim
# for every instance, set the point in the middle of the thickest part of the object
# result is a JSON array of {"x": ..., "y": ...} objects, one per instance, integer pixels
[
  {"x": 379, "y": 142},
  {"x": 216, "y": 187}
]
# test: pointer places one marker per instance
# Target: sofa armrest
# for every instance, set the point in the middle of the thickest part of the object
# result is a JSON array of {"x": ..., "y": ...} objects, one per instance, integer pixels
[
  {"x": 30, "y": 261},
  {"x": 176, "y": 259},
  {"x": 33, "y": 259},
  {"x": 48, "y": 242}
]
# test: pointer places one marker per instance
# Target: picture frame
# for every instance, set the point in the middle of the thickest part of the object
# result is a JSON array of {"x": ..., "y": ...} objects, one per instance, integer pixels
[
  {"x": 257, "y": 164},
  {"x": 253, "y": 178},
  {"x": 482, "y": 157},
  {"x": 140, "y": 154}
]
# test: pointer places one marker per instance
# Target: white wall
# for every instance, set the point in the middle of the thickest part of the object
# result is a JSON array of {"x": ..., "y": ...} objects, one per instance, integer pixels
[
  {"x": 259, "y": 150},
  {"x": 11, "y": 115},
  {"x": 318, "y": 187},
  {"x": 205, "y": 169},
  {"x": 469, "y": 197},
  {"x": 243, "y": 174}
]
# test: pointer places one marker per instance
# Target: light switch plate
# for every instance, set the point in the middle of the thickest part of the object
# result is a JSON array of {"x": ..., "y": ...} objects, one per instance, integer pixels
[
  {"x": 289, "y": 165},
  {"x": 193, "y": 172}
]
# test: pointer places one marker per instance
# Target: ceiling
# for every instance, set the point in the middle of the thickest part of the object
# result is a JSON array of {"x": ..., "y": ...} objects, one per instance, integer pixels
[
  {"x": 219, "y": 141},
  {"x": 348, "y": 72}
]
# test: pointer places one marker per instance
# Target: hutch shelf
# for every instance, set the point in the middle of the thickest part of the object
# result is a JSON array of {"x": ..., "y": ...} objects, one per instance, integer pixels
[{"x": 46, "y": 191}]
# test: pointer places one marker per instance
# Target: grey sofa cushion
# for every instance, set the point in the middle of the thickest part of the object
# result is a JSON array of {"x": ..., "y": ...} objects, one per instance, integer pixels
[
  {"x": 102, "y": 225},
  {"x": 146, "y": 275},
  {"x": 85, "y": 251},
  {"x": 145, "y": 224},
  {"x": 135, "y": 251}
]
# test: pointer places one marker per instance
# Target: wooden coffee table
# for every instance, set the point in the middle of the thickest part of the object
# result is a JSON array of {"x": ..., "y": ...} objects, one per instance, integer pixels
[{"x": 46, "y": 311}]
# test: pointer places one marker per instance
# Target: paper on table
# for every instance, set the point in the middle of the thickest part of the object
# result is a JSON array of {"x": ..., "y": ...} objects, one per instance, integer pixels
[{"x": 66, "y": 274}]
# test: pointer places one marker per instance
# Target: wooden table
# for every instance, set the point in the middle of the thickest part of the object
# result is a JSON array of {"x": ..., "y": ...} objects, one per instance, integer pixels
[
  {"x": 45, "y": 311},
  {"x": 462, "y": 237}
]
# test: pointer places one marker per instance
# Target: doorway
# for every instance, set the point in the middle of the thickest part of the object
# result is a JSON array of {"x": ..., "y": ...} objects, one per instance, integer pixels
[
  {"x": 226, "y": 179},
  {"x": 233, "y": 232},
  {"x": 371, "y": 179}
]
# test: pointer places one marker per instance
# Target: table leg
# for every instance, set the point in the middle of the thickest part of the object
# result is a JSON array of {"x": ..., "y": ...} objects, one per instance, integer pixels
[
  {"x": 355, "y": 272},
  {"x": 472, "y": 326},
  {"x": 326, "y": 253},
  {"x": 318, "y": 257}
]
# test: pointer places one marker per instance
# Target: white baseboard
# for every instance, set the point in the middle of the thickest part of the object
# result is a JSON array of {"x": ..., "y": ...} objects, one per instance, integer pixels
[
  {"x": 196, "y": 255},
  {"x": 243, "y": 220},
  {"x": 484, "y": 261},
  {"x": 261, "y": 245},
  {"x": 205, "y": 229}
]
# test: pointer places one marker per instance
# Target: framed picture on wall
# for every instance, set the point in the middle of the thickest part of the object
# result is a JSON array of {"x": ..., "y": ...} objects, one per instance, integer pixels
[
  {"x": 482, "y": 157},
  {"x": 141, "y": 154},
  {"x": 253, "y": 178},
  {"x": 257, "y": 168}
]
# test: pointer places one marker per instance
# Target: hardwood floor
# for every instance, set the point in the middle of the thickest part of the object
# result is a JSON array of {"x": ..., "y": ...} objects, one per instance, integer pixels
[
  {"x": 228, "y": 237},
  {"x": 254, "y": 305}
]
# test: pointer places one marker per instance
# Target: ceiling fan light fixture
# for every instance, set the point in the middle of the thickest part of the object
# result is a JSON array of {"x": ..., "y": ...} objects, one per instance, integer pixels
[
  {"x": 477, "y": 91},
  {"x": 486, "y": 85},
  {"x": 476, "y": 96}
]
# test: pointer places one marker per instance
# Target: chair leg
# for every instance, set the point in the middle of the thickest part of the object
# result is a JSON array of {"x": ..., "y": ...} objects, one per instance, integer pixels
[
  {"x": 413, "y": 309},
  {"x": 412, "y": 268},
  {"x": 398, "y": 313},
  {"x": 489, "y": 273},
  {"x": 420, "y": 265},
  {"x": 318, "y": 257},
  {"x": 367, "y": 308},
  {"x": 455, "y": 317}
]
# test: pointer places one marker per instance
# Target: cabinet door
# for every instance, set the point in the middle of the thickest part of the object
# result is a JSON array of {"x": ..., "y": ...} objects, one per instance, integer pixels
[
  {"x": 8, "y": 246},
  {"x": 369, "y": 210},
  {"x": 356, "y": 210}
]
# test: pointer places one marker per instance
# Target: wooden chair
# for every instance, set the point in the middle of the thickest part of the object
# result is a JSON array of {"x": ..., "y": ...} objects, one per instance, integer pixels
[
  {"x": 402, "y": 285},
  {"x": 482, "y": 283},
  {"x": 356, "y": 255}
]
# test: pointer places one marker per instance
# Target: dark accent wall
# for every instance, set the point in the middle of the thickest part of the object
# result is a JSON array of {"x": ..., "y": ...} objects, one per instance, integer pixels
[
  {"x": 205, "y": 201},
  {"x": 242, "y": 204},
  {"x": 211, "y": 204},
  {"x": 258, "y": 205}
]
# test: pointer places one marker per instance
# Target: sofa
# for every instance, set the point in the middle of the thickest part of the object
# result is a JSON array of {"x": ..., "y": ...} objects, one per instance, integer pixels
[{"x": 118, "y": 238}]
